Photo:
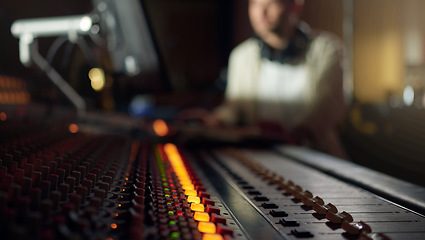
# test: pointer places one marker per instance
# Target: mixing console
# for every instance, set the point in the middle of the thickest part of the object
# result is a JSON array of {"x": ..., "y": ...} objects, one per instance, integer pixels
[{"x": 103, "y": 180}]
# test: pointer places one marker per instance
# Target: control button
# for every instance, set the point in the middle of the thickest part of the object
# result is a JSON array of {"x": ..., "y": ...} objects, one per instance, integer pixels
[
  {"x": 269, "y": 205},
  {"x": 280, "y": 213},
  {"x": 201, "y": 216},
  {"x": 206, "y": 227},
  {"x": 325, "y": 208},
  {"x": 207, "y": 201},
  {"x": 289, "y": 222},
  {"x": 261, "y": 198},
  {"x": 212, "y": 209},
  {"x": 254, "y": 192},
  {"x": 204, "y": 194},
  {"x": 211, "y": 236},
  {"x": 200, "y": 188},
  {"x": 197, "y": 207},
  {"x": 339, "y": 217},
  {"x": 356, "y": 228},
  {"x": 193, "y": 199},
  {"x": 247, "y": 187},
  {"x": 218, "y": 219},
  {"x": 225, "y": 230},
  {"x": 301, "y": 233}
]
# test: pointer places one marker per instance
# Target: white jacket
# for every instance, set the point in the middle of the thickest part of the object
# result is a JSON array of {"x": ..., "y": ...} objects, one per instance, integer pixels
[{"x": 325, "y": 107}]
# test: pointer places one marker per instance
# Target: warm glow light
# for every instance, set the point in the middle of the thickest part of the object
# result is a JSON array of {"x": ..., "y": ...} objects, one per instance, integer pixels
[
  {"x": 97, "y": 78},
  {"x": 201, "y": 217},
  {"x": 193, "y": 199},
  {"x": 197, "y": 207},
  {"x": 160, "y": 127},
  {"x": 206, "y": 227},
  {"x": 73, "y": 128},
  {"x": 3, "y": 116},
  {"x": 190, "y": 192},
  {"x": 212, "y": 236},
  {"x": 114, "y": 226}
]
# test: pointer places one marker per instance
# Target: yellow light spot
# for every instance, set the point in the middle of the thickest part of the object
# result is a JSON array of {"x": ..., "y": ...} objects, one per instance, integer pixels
[
  {"x": 97, "y": 78},
  {"x": 114, "y": 225},
  {"x": 187, "y": 186},
  {"x": 3, "y": 116},
  {"x": 190, "y": 192},
  {"x": 201, "y": 216},
  {"x": 193, "y": 199},
  {"x": 160, "y": 127},
  {"x": 206, "y": 227},
  {"x": 212, "y": 236},
  {"x": 73, "y": 128},
  {"x": 197, "y": 207}
]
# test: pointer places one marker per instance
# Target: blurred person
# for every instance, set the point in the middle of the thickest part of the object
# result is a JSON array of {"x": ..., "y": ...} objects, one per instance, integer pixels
[{"x": 286, "y": 80}]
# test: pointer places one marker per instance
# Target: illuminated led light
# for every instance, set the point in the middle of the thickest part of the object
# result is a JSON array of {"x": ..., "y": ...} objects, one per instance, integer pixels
[
  {"x": 193, "y": 199},
  {"x": 160, "y": 127},
  {"x": 212, "y": 236},
  {"x": 175, "y": 235},
  {"x": 3, "y": 116},
  {"x": 187, "y": 186},
  {"x": 206, "y": 227},
  {"x": 85, "y": 23},
  {"x": 190, "y": 192},
  {"x": 97, "y": 78},
  {"x": 73, "y": 128},
  {"x": 201, "y": 216},
  {"x": 114, "y": 226},
  {"x": 197, "y": 207}
]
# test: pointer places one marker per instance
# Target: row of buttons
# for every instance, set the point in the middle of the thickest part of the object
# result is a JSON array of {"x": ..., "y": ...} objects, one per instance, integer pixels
[
  {"x": 329, "y": 211},
  {"x": 206, "y": 215}
]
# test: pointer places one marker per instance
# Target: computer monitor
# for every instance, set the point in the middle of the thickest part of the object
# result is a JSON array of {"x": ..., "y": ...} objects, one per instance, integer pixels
[{"x": 130, "y": 41}]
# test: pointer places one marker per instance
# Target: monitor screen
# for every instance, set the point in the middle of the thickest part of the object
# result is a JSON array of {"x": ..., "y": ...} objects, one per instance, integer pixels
[{"x": 130, "y": 41}]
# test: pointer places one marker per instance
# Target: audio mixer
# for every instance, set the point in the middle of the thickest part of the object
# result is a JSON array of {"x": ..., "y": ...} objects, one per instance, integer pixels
[{"x": 109, "y": 178}]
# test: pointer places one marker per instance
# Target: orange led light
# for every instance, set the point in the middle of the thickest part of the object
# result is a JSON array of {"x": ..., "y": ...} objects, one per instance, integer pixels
[
  {"x": 160, "y": 127},
  {"x": 197, "y": 207},
  {"x": 73, "y": 128},
  {"x": 212, "y": 236},
  {"x": 187, "y": 186},
  {"x": 3, "y": 116},
  {"x": 206, "y": 227},
  {"x": 114, "y": 226},
  {"x": 190, "y": 192},
  {"x": 201, "y": 216},
  {"x": 193, "y": 199}
]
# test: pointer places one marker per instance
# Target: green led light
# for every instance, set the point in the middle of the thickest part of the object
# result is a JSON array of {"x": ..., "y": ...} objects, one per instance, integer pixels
[
  {"x": 168, "y": 203},
  {"x": 170, "y": 212},
  {"x": 174, "y": 235},
  {"x": 167, "y": 195},
  {"x": 164, "y": 179},
  {"x": 166, "y": 189},
  {"x": 165, "y": 184},
  {"x": 172, "y": 222}
]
